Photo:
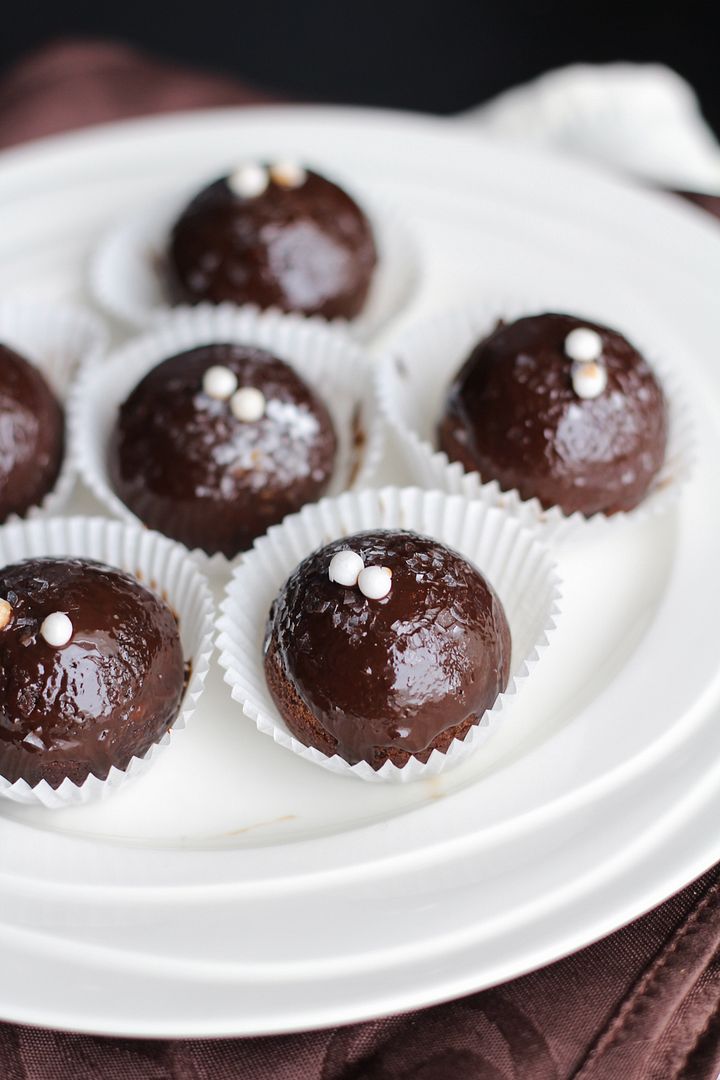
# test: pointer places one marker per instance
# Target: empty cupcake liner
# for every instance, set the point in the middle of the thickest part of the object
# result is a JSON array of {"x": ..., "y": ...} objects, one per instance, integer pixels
[
  {"x": 518, "y": 566},
  {"x": 57, "y": 338},
  {"x": 334, "y": 366},
  {"x": 160, "y": 564},
  {"x": 126, "y": 273},
  {"x": 412, "y": 381}
]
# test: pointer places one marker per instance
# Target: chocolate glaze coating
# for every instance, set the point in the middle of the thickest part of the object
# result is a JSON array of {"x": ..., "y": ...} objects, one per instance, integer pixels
[
  {"x": 391, "y": 678},
  {"x": 98, "y": 701},
  {"x": 32, "y": 435},
  {"x": 186, "y": 466},
  {"x": 512, "y": 414},
  {"x": 307, "y": 249}
]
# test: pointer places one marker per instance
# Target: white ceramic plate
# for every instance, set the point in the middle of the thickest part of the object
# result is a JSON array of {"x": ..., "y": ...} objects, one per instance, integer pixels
[{"x": 238, "y": 889}]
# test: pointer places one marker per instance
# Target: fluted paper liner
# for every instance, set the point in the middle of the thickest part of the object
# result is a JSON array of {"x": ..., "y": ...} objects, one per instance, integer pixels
[
  {"x": 516, "y": 564},
  {"x": 56, "y": 338},
  {"x": 126, "y": 274},
  {"x": 160, "y": 564},
  {"x": 412, "y": 382},
  {"x": 333, "y": 365}
]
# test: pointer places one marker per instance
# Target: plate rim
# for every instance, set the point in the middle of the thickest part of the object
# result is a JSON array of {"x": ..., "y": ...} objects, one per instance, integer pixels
[{"x": 29, "y": 154}]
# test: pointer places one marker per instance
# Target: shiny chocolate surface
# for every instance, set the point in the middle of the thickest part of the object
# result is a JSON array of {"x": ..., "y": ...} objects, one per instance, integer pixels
[
  {"x": 187, "y": 466},
  {"x": 395, "y": 672},
  {"x": 32, "y": 435},
  {"x": 512, "y": 414},
  {"x": 104, "y": 697},
  {"x": 308, "y": 248}
]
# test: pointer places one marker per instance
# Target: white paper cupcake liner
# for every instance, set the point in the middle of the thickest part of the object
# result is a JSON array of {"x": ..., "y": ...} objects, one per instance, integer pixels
[
  {"x": 126, "y": 272},
  {"x": 413, "y": 379},
  {"x": 333, "y": 365},
  {"x": 57, "y": 338},
  {"x": 158, "y": 563},
  {"x": 518, "y": 566}
]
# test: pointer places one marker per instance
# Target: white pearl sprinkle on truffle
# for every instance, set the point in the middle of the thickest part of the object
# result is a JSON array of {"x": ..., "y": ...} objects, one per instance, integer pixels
[
  {"x": 57, "y": 629},
  {"x": 220, "y": 382},
  {"x": 6, "y": 612},
  {"x": 583, "y": 344},
  {"x": 248, "y": 181},
  {"x": 248, "y": 404},
  {"x": 375, "y": 582},
  {"x": 589, "y": 380},
  {"x": 288, "y": 174},
  {"x": 345, "y": 568}
]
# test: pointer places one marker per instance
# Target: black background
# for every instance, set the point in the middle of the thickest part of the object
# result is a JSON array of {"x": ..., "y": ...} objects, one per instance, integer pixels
[{"x": 439, "y": 56}]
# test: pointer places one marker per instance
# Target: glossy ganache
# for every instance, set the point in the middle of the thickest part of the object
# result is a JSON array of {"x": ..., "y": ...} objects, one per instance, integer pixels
[
  {"x": 106, "y": 695},
  {"x": 183, "y": 462},
  {"x": 307, "y": 248},
  {"x": 377, "y": 680},
  {"x": 32, "y": 435},
  {"x": 513, "y": 415}
]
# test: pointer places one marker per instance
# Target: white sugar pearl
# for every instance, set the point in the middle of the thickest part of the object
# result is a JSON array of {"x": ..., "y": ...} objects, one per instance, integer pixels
[
  {"x": 345, "y": 568},
  {"x": 5, "y": 613},
  {"x": 57, "y": 629},
  {"x": 583, "y": 344},
  {"x": 589, "y": 380},
  {"x": 288, "y": 174},
  {"x": 220, "y": 382},
  {"x": 248, "y": 404},
  {"x": 375, "y": 582},
  {"x": 248, "y": 181}
]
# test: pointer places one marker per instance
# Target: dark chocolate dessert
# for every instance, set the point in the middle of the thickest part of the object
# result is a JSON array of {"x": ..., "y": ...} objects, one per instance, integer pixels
[
  {"x": 273, "y": 236},
  {"x": 566, "y": 411},
  {"x": 91, "y": 670},
  {"x": 32, "y": 435},
  {"x": 384, "y": 646},
  {"x": 215, "y": 445}
]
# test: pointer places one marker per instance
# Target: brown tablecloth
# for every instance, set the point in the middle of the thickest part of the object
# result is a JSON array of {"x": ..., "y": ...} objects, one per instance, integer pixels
[{"x": 643, "y": 1004}]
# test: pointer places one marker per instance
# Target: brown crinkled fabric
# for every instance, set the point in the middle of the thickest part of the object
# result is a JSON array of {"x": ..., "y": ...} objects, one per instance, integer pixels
[
  {"x": 643, "y": 1004},
  {"x": 72, "y": 84},
  {"x": 711, "y": 203}
]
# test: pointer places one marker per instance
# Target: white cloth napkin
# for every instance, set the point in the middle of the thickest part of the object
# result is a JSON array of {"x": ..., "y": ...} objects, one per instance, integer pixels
[{"x": 642, "y": 119}]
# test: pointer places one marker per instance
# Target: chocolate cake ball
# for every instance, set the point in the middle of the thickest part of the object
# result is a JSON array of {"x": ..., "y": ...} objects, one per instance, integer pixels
[
  {"x": 216, "y": 444},
  {"x": 91, "y": 670},
  {"x": 385, "y": 645},
  {"x": 32, "y": 435},
  {"x": 563, "y": 410},
  {"x": 274, "y": 236}
]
